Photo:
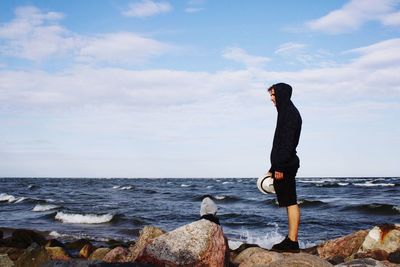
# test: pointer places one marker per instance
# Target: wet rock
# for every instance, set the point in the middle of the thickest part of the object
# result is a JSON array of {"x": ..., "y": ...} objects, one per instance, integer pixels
[
  {"x": 54, "y": 243},
  {"x": 147, "y": 234},
  {"x": 362, "y": 263},
  {"x": 394, "y": 256},
  {"x": 380, "y": 242},
  {"x": 112, "y": 243},
  {"x": 57, "y": 253},
  {"x": 118, "y": 254},
  {"x": 27, "y": 237},
  {"x": 256, "y": 256},
  {"x": 235, "y": 252},
  {"x": 1, "y": 234},
  {"x": 77, "y": 244},
  {"x": 13, "y": 253},
  {"x": 200, "y": 243},
  {"x": 86, "y": 251},
  {"x": 99, "y": 254},
  {"x": 339, "y": 249},
  {"x": 300, "y": 260},
  {"x": 33, "y": 256},
  {"x": 5, "y": 261}
]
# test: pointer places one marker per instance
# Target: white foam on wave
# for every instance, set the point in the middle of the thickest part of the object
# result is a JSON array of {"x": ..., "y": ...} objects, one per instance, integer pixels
[
  {"x": 185, "y": 185},
  {"x": 343, "y": 184},
  {"x": 370, "y": 184},
  {"x": 210, "y": 186},
  {"x": 227, "y": 183},
  {"x": 266, "y": 241},
  {"x": 44, "y": 207},
  {"x": 6, "y": 198},
  {"x": 20, "y": 199},
  {"x": 396, "y": 208},
  {"x": 220, "y": 197},
  {"x": 115, "y": 186},
  {"x": 126, "y": 188},
  {"x": 83, "y": 218}
]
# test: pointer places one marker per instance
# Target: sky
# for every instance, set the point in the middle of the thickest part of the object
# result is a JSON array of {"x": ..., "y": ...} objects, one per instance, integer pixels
[{"x": 157, "y": 88}]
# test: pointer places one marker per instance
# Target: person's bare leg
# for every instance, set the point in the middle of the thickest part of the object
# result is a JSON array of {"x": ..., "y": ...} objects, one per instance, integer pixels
[{"x": 293, "y": 213}]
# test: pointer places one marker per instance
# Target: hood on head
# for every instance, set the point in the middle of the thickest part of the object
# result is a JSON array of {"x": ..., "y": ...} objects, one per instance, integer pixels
[{"x": 283, "y": 92}]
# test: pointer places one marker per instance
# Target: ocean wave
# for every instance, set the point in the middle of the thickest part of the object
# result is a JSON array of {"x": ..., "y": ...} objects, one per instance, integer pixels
[
  {"x": 371, "y": 184},
  {"x": 310, "y": 203},
  {"x": 11, "y": 199},
  {"x": 83, "y": 218},
  {"x": 376, "y": 208},
  {"x": 219, "y": 198},
  {"x": 185, "y": 185},
  {"x": 6, "y": 198},
  {"x": 129, "y": 187},
  {"x": 44, "y": 207},
  {"x": 227, "y": 183}
]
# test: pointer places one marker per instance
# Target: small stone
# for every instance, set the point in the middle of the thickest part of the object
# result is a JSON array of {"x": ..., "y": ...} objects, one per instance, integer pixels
[
  {"x": 28, "y": 237},
  {"x": 99, "y": 254},
  {"x": 394, "y": 256},
  {"x": 5, "y": 261},
  {"x": 33, "y": 256},
  {"x": 13, "y": 253},
  {"x": 57, "y": 253},
  {"x": 77, "y": 244},
  {"x": 86, "y": 251},
  {"x": 118, "y": 254},
  {"x": 54, "y": 243}
]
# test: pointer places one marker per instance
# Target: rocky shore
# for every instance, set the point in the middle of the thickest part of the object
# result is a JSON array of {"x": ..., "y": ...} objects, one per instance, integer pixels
[{"x": 201, "y": 243}]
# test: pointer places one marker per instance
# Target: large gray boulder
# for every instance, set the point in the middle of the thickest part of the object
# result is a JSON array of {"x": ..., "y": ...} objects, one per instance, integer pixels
[
  {"x": 362, "y": 263},
  {"x": 300, "y": 260},
  {"x": 147, "y": 234},
  {"x": 380, "y": 242},
  {"x": 201, "y": 243},
  {"x": 342, "y": 248}
]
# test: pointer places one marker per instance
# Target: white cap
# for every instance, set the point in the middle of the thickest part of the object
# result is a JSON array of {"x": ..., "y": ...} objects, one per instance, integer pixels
[{"x": 208, "y": 207}]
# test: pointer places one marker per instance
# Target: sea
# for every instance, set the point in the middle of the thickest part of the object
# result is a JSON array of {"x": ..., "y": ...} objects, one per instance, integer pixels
[{"x": 102, "y": 209}]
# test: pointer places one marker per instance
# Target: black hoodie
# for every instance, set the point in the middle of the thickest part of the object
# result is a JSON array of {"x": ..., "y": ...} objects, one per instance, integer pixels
[{"x": 287, "y": 132}]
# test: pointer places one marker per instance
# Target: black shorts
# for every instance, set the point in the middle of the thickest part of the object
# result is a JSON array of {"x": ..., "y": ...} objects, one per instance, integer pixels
[{"x": 286, "y": 190}]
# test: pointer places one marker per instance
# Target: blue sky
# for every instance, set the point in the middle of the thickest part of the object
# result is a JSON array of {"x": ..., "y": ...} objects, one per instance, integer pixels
[{"x": 178, "y": 88}]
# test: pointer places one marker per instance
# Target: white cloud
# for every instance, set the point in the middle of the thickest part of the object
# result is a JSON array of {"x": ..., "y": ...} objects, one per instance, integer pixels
[
  {"x": 123, "y": 47},
  {"x": 35, "y": 35},
  {"x": 147, "y": 8},
  {"x": 290, "y": 47},
  {"x": 384, "y": 54},
  {"x": 392, "y": 19},
  {"x": 240, "y": 55},
  {"x": 155, "y": 119},
  {"x": 354, "y": 14}
]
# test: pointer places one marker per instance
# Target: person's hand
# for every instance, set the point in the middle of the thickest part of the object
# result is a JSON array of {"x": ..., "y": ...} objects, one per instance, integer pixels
[{"x": 278, "y": 175}]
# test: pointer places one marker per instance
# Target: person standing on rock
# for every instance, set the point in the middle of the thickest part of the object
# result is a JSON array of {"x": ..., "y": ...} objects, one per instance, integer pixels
[{"x": 285, "y": 162}]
